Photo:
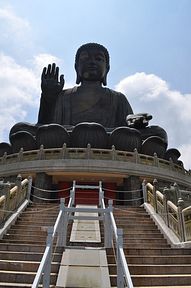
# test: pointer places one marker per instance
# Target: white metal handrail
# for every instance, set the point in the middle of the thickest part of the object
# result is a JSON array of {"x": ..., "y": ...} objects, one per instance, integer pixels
[
  {"x": 45, "y": 264},
  {"x": 122, "y": 267},
  {"x": 60, "y": 228}
]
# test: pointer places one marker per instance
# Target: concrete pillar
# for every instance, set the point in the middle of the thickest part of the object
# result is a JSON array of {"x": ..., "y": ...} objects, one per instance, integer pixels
[
  {"x": 134, "y": 186},
  {"x": 44, "y": 182}
]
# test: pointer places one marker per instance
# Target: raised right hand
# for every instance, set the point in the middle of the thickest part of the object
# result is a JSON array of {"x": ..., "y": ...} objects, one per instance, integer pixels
[{"x": 50, "y": 83}]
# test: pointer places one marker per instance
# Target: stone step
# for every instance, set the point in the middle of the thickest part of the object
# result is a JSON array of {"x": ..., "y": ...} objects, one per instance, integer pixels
[
  {"x": 145, "y": 240},
  {"x": 33, "y": 226},
  {"x": 154, "y": 280},
  {"x": 25, "y": 266},
  {"x": 25, "y": 247},
  {"x": 139, "y": 269},
  {"x": 156, "y": 251},
  {"x": 24, "y": 237},
  {"x": 19, "y": 285},
  {"x": 144, "y": 219},
  {"x": 121, "y": 209},
  {"x": 47, "y": 222},
  {"x": 143, "y": 246},
  {"x": 144, "y": 236},
  {"x": 133, "y": 226},
  {"x": 34, "y": 215},
  {"x": 41, "y": 232},
  {"x": 26, "y": 256},
  {"x": 178, "y": 259},
  {"x": 21, "y": 277},
  {"x": 139, "y": 218},
  {"x": 176, "y": 286},
  {"x": 29, "y": 240}
]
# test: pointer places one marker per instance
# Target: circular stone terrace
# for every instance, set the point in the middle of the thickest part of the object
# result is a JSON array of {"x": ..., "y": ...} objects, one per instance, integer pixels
[{"x": 100, "y": 163}]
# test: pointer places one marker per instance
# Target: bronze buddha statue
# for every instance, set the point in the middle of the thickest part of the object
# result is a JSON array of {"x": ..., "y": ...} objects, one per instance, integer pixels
[{"x": 88, "y": 113}]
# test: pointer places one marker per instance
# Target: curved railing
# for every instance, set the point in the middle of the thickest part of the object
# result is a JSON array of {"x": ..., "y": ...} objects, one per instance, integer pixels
[
  {"x": 176, "y": 217},
  {"x": 12, "y": 197},
  {"x": 91, "y": 153}
]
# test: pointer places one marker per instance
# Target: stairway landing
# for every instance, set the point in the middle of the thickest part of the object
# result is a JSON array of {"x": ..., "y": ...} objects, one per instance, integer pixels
[{"x": 87, "y": 266}]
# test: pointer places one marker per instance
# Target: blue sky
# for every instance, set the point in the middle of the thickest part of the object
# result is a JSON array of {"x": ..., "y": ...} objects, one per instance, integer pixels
[{"x": 149, "y": 44}]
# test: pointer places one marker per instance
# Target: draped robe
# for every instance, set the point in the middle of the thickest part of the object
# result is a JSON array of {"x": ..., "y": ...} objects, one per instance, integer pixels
[{"x": 110, "y": 109}]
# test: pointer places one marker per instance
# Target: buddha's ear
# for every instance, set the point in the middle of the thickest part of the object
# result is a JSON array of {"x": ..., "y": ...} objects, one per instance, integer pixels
[
  {"x": 78, "y": 79},
  {"x": 104, "y": 81}
]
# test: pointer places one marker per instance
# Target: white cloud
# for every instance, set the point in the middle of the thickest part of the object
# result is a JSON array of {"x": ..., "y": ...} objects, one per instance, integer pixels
[
  {"x": 20, "y": 71},
  {"x": 16, "y": 34},
  {"x": 19, "y": 90},
  {"x": 13, "y": 23},
  {"x": 185, "y": 150},
  {"x": 170, "y": 109},
  {"x": 18, "y": 93}
]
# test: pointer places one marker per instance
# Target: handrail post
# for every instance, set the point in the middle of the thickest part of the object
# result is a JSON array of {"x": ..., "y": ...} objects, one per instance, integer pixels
[
  {"x": 136, "y": 156},
  {"x": 107, "y": 225},
  {"x": 101, "y": 193},
  {"x": 166, "y": 216},
  {"x": 19, "y": 190},
  {"x": 177, "y": 191},
  {"x": 29, "y": 188},
  {"x": 47, "y": 270},
  {"x": 113, "y": 153},
  {"x": 72, "y": 196},
  {"x": 144, "y": 188},
  {"x": 180, "y": 219},
  {"x": 61, "y": 225},
  {"x": 6, "y": 192},
  {"x": 120, "y": 280},
  {"x": 155, "y": 184},
  {"x": 74, "y": 191}
]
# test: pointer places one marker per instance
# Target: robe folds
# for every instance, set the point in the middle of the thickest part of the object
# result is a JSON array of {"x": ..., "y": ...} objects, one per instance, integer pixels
[{"x": 109, "y": 110}]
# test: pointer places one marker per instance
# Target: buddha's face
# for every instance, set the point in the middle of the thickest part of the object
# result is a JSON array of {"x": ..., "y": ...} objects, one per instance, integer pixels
[{"x": 92, "y": 65}]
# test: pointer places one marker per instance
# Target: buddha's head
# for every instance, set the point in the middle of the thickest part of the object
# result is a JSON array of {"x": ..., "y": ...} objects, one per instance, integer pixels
[{"x": 92, "y": 63}]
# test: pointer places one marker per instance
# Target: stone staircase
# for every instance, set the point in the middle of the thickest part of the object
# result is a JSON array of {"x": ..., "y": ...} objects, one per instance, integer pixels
[
  {"x": 152, "y": 262},
  {"x": 21, "y": 249}
]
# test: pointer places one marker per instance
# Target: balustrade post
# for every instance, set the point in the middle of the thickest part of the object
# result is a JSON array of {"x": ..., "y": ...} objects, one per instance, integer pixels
[
  {"x": 166, "y": 216},
  {"x": 20, "y": 154},
  {"x": 88, "y": 151},
  {"x": 181, "y": 220},
  {"x": 41, "y": 154},
  {"x": 101, "y": 193},
  {"x": 113, "y": 153},
  {"x": 144, "y": 188},
  {"x": 61, "y": 232},
  {"x": 29, "y": 188},
  {"x": 107, "y": 225},
  {"x": 74, "y": 191},
  {"x": 19, "y": 197},
  {"x": 6, "y": 193},
  {"x": 4, "y": 158},
  {"x": 47, "y": 269},
  {"x": 177, "y": 191},
  {"x": 156, "y": 159},
  {"x": 136, "y": 155},
  {"x": 171, "y": 164},
  {"x": 120, "y": 280},
  {"x": 18, "y": 183},
  {"x": 155, "y": 185},
  {"x": 64, "y": 151}
]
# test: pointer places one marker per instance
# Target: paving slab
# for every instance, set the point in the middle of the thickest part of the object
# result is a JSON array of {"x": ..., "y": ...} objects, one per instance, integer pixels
[{"x": 85, "y": 230}]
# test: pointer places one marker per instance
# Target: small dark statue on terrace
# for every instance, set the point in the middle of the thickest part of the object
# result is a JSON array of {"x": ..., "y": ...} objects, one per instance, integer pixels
[{"x": 89, "y": 113}]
